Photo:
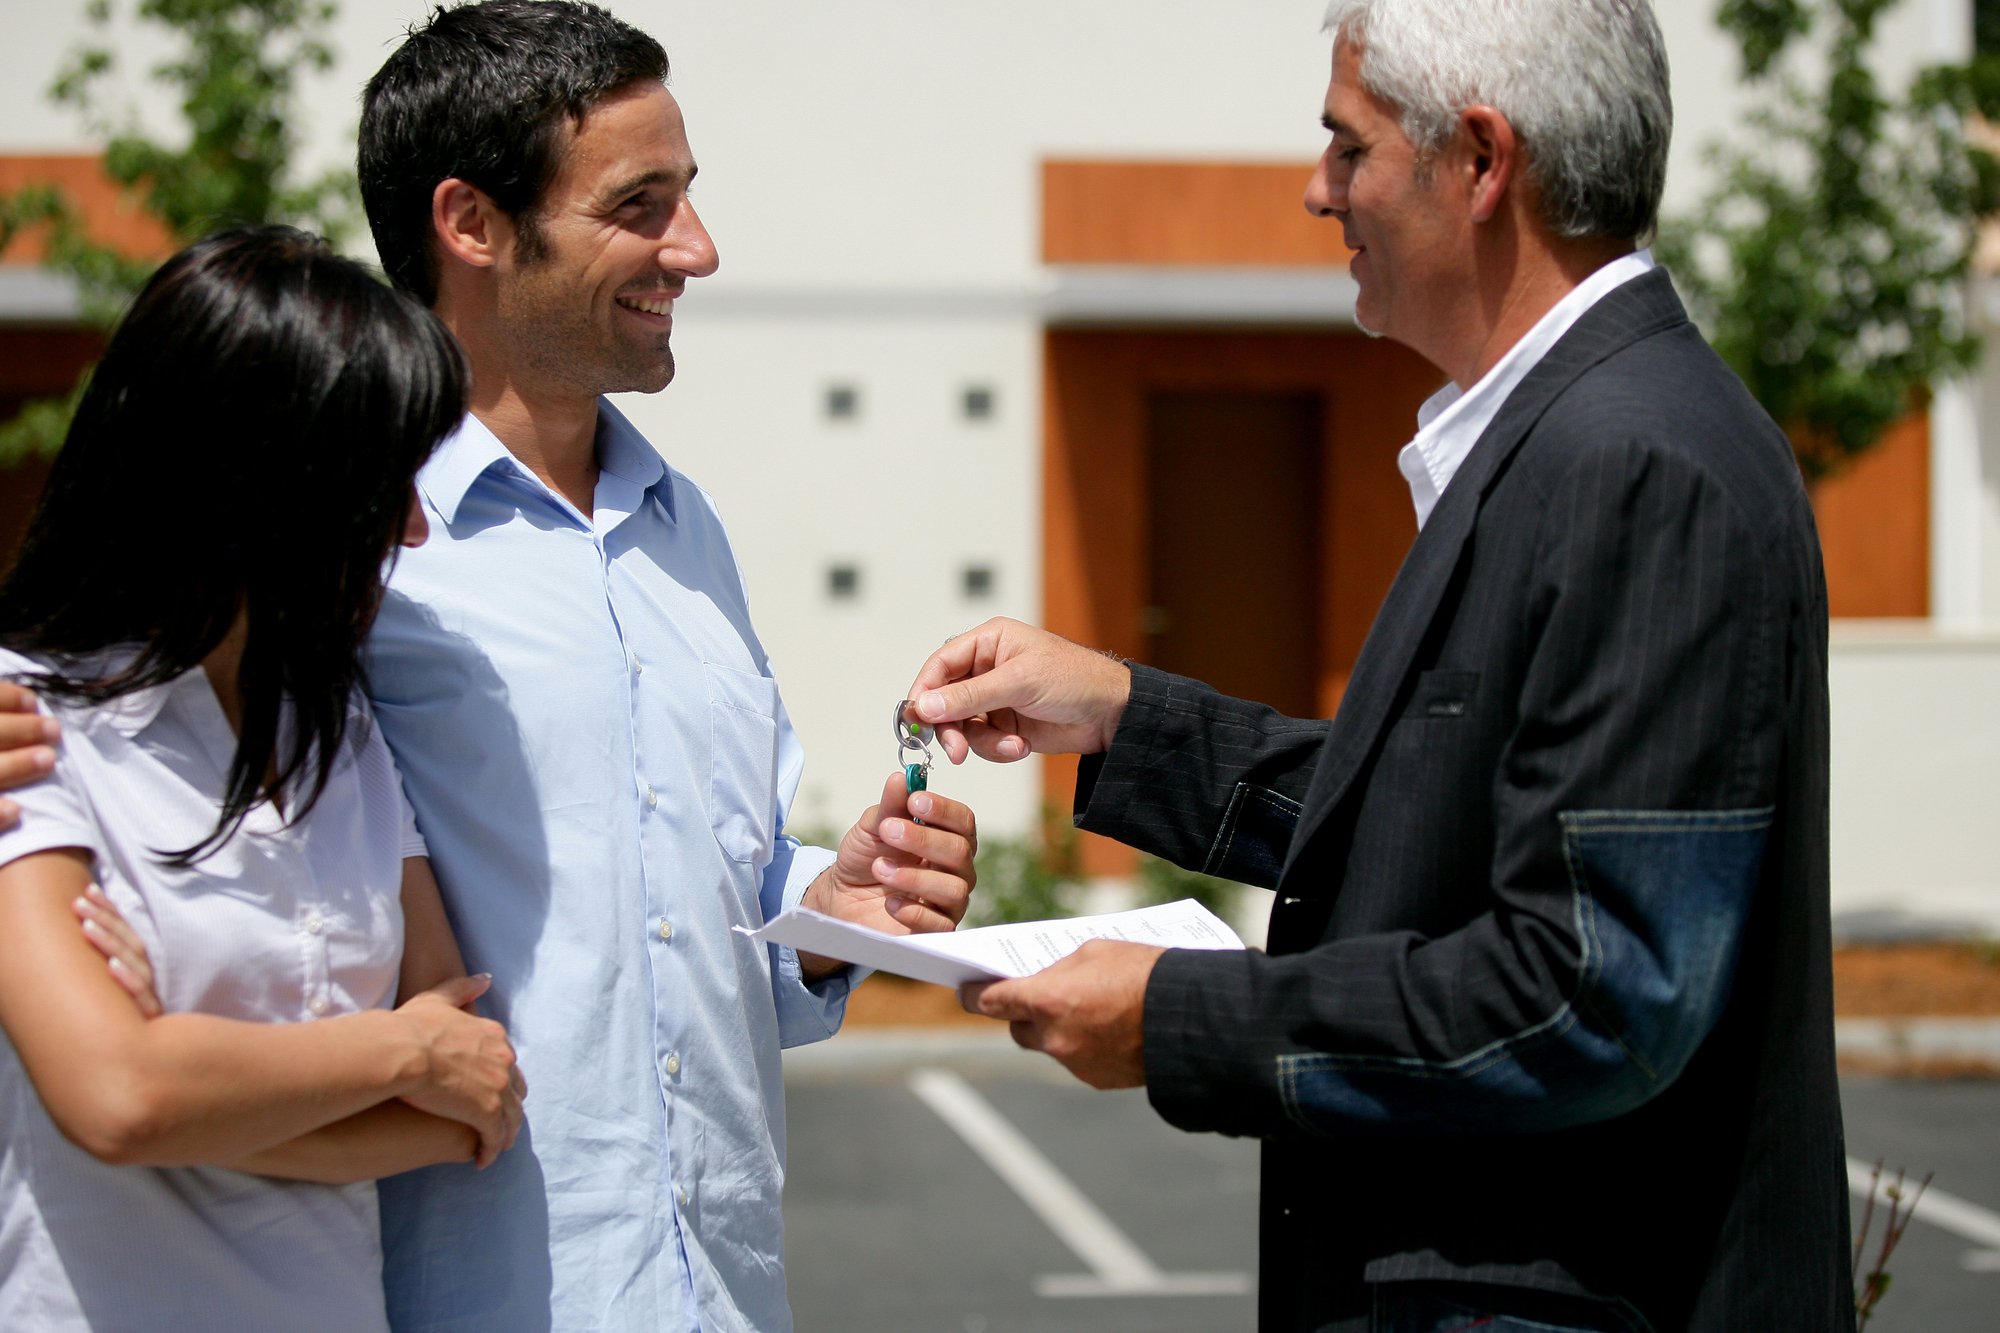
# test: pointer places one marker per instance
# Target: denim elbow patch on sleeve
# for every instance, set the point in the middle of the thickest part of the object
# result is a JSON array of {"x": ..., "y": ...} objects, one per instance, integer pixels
[
  {"x": 1256, "y": 833},
  {"x": 1659, "y": 899}
]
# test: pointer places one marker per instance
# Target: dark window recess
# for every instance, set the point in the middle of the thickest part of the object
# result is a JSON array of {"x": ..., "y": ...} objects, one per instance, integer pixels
[
  {"x": 978, "y": 580},
  {"x": 978, "y": 403},
  {"x": 843, "y": 582},
  {"x": 843, "y": 402}
]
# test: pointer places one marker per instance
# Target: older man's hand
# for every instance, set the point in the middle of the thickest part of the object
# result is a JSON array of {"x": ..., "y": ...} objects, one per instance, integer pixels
[
  {"x": 1087, "y": 1011},
  {"x": 1006, "y": 690}
]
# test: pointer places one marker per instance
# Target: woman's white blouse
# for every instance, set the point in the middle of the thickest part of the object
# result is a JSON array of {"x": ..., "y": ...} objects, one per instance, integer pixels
[{"x": 280, "y": 925}]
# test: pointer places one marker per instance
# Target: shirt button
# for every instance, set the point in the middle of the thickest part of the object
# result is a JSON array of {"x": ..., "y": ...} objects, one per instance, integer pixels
[
  {"x": 317, "y": 1004},
  {"x": 652, "y": 799},
  {"x": 638, "y": 668},
  {"x": 672, "y": 1064},
  {"x": 314, "y": 924},
  {"x": 666, "y": 929},
  {"x": 681, "y": 1193}
]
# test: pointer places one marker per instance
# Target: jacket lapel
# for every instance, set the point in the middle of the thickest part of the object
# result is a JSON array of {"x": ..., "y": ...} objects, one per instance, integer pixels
[{"x": 1642, "y": 307}]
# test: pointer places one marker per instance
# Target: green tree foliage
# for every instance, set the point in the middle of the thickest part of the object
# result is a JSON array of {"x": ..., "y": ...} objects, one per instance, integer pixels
[
  {"x": 1034, "y": 878},
  {"x": 1986, "y": 27},
  {"x": 234, "y": 73},
  {"x": 1037, "y": 878},
  {"x": 1162, "y": 881},
  {"x": 1829, "y": 264}
]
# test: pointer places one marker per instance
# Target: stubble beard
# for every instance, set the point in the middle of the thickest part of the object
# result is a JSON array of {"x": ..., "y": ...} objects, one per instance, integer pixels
[
  {"x": 566, "y": 347},
  {"x": 587, "y": 359}
]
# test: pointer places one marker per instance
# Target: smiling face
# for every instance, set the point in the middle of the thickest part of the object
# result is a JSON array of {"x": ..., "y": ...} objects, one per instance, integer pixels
[
  {"x": 586, "y": 294},
  {"x": 1408, "y": 227}
]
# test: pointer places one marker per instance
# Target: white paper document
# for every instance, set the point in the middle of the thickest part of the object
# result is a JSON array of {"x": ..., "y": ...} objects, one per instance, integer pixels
[{"x": 992, "y": 952}]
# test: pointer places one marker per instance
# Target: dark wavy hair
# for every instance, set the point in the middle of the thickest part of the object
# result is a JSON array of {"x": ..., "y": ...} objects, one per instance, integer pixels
[
  {"x": 246, "y": 446},
  {"x": 482, "y": 92}
]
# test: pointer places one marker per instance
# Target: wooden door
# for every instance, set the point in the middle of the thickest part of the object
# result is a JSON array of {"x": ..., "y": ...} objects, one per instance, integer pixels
[
  {"x": 1233, "y": 520},
  {"x": 1224, "y": 504}
]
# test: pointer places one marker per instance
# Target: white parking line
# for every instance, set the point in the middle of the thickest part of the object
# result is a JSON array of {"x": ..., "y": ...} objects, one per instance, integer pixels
[
  {"x": 1118, "y": 1267},
  {"x": 1947, "y": 1212}
]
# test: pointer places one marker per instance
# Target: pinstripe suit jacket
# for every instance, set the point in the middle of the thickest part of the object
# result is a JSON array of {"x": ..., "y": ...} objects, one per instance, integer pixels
[{"x": 1547, "y": 1001}]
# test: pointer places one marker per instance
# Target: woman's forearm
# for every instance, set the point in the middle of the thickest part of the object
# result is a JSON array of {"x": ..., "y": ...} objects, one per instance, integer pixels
[
  {"x": 186, "y": 1088},
  {"x": 191, "y": 1089},
  {"x": 430, "y": 950},
  {"x": 384, "y": 1140}
]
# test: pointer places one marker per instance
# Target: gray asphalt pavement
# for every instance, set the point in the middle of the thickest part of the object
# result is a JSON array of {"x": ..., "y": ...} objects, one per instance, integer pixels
[
  {"x": 990, "y": 1194},
  {"x": 1943, "y": 1280}
]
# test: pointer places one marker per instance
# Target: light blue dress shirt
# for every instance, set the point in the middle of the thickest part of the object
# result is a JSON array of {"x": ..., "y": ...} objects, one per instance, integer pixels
[{"x": 588, "y": 728}]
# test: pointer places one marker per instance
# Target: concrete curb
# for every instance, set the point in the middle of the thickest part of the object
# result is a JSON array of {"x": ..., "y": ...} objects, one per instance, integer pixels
[
  {"x": 888, "y": 1051},
  {"x": 1968, "y": 1040}
]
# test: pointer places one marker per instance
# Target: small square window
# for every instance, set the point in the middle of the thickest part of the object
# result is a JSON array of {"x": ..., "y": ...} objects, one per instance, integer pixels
[
  {"x": 978, "y": 581},
  {"x": 843, "y": 402},
  {"x": 843, "y": 582},
  {"x": 978, "y": 403}
]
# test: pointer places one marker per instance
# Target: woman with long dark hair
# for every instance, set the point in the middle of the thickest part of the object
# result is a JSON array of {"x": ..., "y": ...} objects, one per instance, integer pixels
[{"x": 190, "y": 603}]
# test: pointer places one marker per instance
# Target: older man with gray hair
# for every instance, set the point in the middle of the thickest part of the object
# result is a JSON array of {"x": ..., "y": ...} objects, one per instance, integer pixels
[{"x": 1543, "y": 1038}]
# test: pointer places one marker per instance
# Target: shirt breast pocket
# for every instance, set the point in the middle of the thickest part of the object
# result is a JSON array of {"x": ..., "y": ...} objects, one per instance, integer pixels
[{"x": 743, "y": 761}]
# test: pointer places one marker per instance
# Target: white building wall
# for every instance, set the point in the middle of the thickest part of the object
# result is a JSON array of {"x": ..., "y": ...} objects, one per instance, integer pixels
[
  {"x": 1916, "y": 768},
  {"x": 870, "y": 168},
  {"x": 895, "y": 142},
  {"x": 908, "y": 493}
]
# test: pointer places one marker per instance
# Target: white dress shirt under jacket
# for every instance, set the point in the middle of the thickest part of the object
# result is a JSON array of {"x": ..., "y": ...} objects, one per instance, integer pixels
[
  {"x": 280, "y": 925},
  {"x": 595, "y": 747},
  {"x": 1451, "y": 420}
]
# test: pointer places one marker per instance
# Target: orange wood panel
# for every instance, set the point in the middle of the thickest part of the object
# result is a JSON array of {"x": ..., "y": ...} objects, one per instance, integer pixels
[
  {"x": 1875, "y": 527},
  {"x": 1371, "y": 521},
  {"x": 37, "y": 360},
  {"x": 1210, "y": 213},
  {"x": 1095, "y": 567},
  {"x": 111, "y": 215}
]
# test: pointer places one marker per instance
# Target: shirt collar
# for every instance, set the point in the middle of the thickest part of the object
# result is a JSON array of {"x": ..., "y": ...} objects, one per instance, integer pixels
[
  {"x": 130, "y": 714},
  {"x": 468, "y": 452},
  {"x": 462, "y": 459},
  {"x": 625, "y": 453},
  {"x": 1451, "y": 421}
]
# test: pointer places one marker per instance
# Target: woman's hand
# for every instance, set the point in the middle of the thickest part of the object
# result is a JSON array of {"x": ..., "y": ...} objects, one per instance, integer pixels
[
  {"x": 472, "y": 1078},
  {"x": 111, "y": 935},
  {"x": 469, "y": 1074}
]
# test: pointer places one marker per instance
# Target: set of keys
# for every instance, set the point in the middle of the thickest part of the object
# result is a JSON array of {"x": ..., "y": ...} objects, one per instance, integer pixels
[{"x": 913, "y": 736}]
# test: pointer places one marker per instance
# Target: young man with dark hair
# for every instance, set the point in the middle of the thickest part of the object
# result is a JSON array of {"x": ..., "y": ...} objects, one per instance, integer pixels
[
  {"x": 585, "y": 719},
  {"x": 489, "y": 94}
]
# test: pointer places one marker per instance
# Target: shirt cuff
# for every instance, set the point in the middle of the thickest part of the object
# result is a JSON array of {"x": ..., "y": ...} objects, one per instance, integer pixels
[{"x": 807, "y": 1012}]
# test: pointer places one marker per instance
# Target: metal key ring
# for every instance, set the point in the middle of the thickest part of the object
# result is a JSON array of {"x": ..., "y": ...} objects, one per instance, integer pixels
[{"x": 912, "y": 735}]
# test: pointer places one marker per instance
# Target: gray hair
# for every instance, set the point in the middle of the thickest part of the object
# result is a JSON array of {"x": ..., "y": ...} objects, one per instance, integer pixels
[{"x": 1583, "y": 83}]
